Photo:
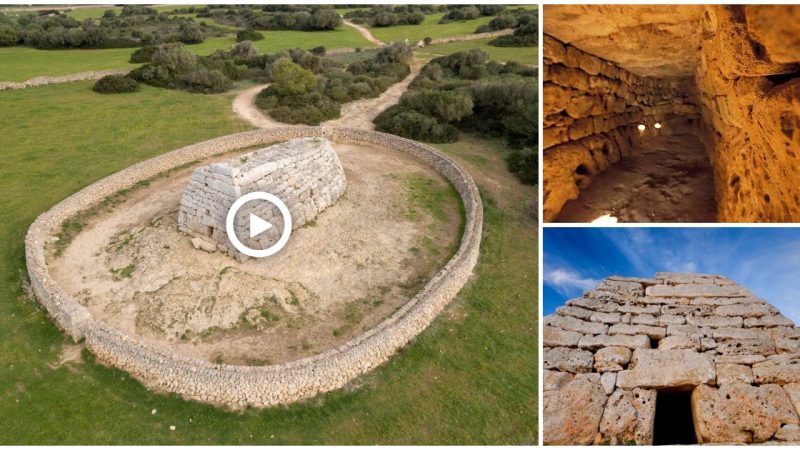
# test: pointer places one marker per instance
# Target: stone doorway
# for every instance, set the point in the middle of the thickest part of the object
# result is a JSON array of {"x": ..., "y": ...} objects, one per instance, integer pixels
[{"x": 674, "y": 424}]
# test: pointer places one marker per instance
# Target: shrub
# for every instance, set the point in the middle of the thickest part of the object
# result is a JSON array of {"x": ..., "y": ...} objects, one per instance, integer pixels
[
  {"x": 289, "y": 78},
  {"x": 248, "y": 35},
  {"x": 319, "y": 51},
  {"x": 427, "y": 40},
  {"x": 461, "y": 14},
  {"x": 115, "y": 84},
  {"x": 324, "y": 19},
  {"x": 414, "y": 125},
  {"x": 524, "y": 163},
  {"x": 175, "y": 67},
  {"x": 8, "y": 36},
  {"x": 144, "y": 54},
  {"x": 244, "y": 49}
]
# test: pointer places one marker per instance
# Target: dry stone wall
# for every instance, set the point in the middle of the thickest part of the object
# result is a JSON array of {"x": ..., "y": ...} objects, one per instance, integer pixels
[
  {"x": 609, "y": 353},
  {"x": 243, "y": 386},
  {"x": 590, "y": 115},
  {"x": 43, "y": 81},
  {"x": 305, "y": 174},
  {"x": 748, "y": 80}
]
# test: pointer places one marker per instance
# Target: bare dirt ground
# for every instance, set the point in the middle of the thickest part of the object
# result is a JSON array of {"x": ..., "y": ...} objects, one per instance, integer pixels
[
  {"x": 244, "y": 106},
  {"x": 356, "y": 264},
  {"x": 365, "y": 32},
  {"x": 668, "y": 179}
]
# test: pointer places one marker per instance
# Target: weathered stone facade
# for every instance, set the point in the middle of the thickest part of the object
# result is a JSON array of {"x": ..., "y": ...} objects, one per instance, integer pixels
[
  {"x": 254, "y": 386},
  {"x": 608, "y": 354},
  {"x": 305, "y": 174},
  {"x": 592, "y": 108},
  {"x": 748, "y": 80},
  {"x": 740, "y": 64}
]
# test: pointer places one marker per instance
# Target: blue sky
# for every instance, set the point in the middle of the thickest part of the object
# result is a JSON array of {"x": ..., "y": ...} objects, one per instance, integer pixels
[{"x": 765, "y": 260}]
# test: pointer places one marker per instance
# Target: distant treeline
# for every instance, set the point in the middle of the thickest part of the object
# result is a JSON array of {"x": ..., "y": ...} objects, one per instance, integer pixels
[
  {"x": 135, "y": 26},
  {"x": 389, "y": 15},
  {"x": 525, "y": 22},
  {"x": 269, "y": 17}
]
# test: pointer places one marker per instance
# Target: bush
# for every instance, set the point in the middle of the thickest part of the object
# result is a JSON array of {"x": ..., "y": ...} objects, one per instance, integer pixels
[
  {"x": 461, "y": 14},
  {"x": 144, "y": 54},
  {"x": 524, "y": 163},
  {"x": 414, "y": 125},
  {"x": 427, "y": 40},
  {"x": 319, "y": 51},
  {"x": 175, "y": 67},
  {"x": 115, "y": 84},
  {"x": 289, "y": 78},
  {"x": 8, "y": 36},
  {"x": 244, "y": 49},
  {"x": 248, "y": 35}
]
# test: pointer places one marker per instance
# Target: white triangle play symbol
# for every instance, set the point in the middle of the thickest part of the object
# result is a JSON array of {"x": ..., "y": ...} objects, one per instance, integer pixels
[{"x": 258, "y": 225}]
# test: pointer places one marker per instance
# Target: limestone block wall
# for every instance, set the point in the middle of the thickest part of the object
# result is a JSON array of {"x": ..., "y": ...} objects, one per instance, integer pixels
[
  {"x": 591, "y": 110},
  {"x": 609, "y": 353},
  {"x": 305, "y": 174},
  {"x": 43, "y": 81},
  {"x": 749, "y": 92},
  {"x": 256, "y": 386}
]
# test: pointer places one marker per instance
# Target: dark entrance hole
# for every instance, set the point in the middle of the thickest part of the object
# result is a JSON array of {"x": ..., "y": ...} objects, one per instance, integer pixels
[{"x": 674, "y": 424}]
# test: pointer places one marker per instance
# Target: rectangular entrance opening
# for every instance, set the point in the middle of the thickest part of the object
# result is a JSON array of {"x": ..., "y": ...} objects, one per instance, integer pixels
[{"x": 674, "y": 424}]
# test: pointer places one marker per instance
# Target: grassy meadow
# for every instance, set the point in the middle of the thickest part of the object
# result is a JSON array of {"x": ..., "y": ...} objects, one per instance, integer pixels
[{"x": 470, "y": 378}]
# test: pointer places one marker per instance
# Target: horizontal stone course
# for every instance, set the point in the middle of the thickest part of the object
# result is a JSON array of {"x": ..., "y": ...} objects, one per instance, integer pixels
[
  {"x": 671, "y": 343},
  {"x": 254, "y": 386}
]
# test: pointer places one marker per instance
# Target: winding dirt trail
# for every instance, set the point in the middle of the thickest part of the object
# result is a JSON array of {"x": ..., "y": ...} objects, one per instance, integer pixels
[
  {"x": 244, "y": 105},
  {"x": 365, "y": 32},
  {"x": 357, "y": 114}
]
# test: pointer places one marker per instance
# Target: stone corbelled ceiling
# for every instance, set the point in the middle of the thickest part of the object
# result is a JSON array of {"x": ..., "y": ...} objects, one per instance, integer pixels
[
  {"x": 648, "y": 40},
  {"x": 609, "y": 353}
]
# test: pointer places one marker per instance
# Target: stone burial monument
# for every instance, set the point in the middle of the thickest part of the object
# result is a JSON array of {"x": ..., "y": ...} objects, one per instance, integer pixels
[
  {"x": 676, "y": 359},
  {"x": 304, "y": 173}
]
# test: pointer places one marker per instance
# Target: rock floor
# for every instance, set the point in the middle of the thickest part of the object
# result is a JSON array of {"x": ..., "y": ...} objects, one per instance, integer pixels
[{"x": 668, "y": 179}]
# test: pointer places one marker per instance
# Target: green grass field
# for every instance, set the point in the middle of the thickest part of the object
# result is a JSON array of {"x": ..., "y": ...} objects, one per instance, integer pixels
[
  {"x": 469, "y": 378},
  {"x": 430, "y": 27},
  {"x": 22, "y": 63},
  {"x": 524, "y": 55}
]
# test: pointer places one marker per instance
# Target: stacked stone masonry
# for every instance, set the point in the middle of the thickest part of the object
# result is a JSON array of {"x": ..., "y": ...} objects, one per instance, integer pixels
[
  {"x": 254, "y": 386},
  {"x": 609, "y": 353},
  {"x": 44, "y": 81},
  {"x": 748, "y": 80},
  {"x": 305, "y": 174},
  {"x": 592, "y": 108}
]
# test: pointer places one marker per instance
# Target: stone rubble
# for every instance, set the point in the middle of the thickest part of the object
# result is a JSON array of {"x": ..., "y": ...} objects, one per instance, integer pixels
[{"x": 736, "y": 354}]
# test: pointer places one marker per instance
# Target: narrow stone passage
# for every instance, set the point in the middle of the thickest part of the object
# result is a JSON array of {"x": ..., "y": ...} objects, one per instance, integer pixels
[{"x": 666, "y": 179}]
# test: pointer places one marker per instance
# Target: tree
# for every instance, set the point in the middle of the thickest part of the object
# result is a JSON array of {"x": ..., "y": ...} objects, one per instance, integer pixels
[
  {"x": 289, "y": 78},
  {"x": 324, "y": 19}
]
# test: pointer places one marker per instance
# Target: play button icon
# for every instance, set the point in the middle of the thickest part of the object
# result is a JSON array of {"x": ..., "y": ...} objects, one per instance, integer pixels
[{"x": 258, "y": 225}]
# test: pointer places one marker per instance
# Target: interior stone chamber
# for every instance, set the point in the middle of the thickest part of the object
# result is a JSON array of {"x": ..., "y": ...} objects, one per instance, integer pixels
[
  {"x": 674, "y": 359},
  {"x": 305, "y": 174},
  {"x": 240, "y": 386},
  {"x": 729, "y": 74}
]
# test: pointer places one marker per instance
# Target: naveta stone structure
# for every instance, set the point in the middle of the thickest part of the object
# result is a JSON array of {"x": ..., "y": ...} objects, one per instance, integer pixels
[
  {"x": 611, "y": 355},
  {"x": 253, "y": 386},
  {"x": 306, "y": 174}
]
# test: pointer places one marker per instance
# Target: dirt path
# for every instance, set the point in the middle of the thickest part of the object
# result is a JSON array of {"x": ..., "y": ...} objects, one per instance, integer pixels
[
  {"x": 365, "y": 32},
  {"x": 668, "y": 179},
  {"x": 360, "y": 113},
  {"x": 357, "y": 114},
  {"x": 244, "y": 105}
]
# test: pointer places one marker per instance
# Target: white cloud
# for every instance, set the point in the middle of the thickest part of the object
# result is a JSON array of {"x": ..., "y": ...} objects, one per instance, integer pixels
[{"x": 567, "y": 282}]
